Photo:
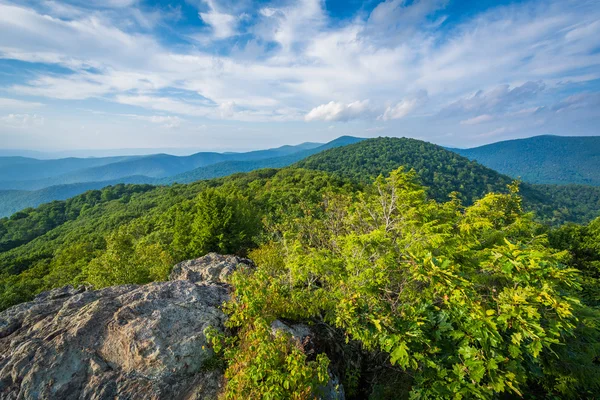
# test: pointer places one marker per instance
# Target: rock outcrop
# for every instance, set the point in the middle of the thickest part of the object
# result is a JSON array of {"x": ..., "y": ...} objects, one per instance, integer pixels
[
  {"x": 123, "y": 342},
  {"x": 212, "y": 267}
]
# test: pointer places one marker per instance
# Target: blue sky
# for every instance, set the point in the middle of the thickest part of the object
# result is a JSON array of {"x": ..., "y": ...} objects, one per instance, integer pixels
[{"x": 236, "y": 75}]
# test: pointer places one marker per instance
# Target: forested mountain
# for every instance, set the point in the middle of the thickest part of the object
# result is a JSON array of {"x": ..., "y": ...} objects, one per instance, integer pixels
[
  {"x": 230, "y": 167},
  {"x": 12, "y": 201},
  {"x": 443, "y": 172},
  {"x": 543, "y": 159},
  {"x": 439, "y": 169},
  {"x": 418, "y": 297}
]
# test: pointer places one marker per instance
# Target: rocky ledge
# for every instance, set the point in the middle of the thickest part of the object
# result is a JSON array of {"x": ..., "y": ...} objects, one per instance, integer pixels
[
  {"x": 121, "y": 342},
  {"x": 125, "y": 342}
]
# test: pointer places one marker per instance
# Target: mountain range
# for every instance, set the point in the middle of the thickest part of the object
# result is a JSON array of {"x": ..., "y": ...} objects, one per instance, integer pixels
[
  {"x": 343, "y": 236},
  {"x": 28, "y": 182}
]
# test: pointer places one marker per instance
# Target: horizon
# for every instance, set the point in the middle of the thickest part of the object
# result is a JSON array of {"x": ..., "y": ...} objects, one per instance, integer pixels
[
  {"x": 183, "y": 151},
  {"x": 241, "y": 76}
]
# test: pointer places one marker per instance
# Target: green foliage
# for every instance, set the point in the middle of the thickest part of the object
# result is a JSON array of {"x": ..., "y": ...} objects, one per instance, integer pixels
[
  {"x": 136, "y": 233},
  {"x": 127, "y": 259},
  {"x": 30, "y": 223},
  {"x": 467, "y": 302},
  {"x": 583, "y": 245},
  {"x": 12, "y": 201},
  {"x": 440, "y": 170},
  {"x": 465, "y": 298},
  {"x": 217, "y": 220},
  {"x": 266, "y": 365}
]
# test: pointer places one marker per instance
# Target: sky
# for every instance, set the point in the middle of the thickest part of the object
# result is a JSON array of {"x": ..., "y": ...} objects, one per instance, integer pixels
[{"x": 240, "y": 75}]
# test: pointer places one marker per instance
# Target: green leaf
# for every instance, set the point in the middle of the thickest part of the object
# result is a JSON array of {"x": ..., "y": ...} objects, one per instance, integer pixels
[{"x": 400, "y": 355}]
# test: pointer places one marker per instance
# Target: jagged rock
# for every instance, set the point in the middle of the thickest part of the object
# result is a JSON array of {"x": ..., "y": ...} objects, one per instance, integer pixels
[
  {"x": 212, "y": 267},
  {"x": 122, "y": 342}
]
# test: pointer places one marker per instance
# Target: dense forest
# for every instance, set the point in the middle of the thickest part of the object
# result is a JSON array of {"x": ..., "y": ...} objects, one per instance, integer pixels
[
  {"x": 441, "y": 278},
  {"x": 444, "y": 172}
]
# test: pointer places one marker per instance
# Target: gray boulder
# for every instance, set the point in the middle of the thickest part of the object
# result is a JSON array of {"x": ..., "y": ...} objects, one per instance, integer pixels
[
  {"x": 126, "y": 342},
  {"x": 121, "y": 342},
  {"x": 212, "y": 267}
]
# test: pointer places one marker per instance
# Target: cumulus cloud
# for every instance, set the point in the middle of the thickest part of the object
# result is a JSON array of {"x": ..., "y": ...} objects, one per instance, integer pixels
[
  {"x": 404, "y": 107},
  {"x": 336, "y": 111}
]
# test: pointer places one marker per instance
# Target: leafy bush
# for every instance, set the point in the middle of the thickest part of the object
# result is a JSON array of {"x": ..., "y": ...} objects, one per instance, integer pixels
[{"x": 467, "y": 302}]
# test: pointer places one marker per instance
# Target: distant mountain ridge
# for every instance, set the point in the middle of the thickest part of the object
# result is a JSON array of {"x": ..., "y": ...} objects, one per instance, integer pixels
[
  {"x": 20, "y": 173},
  {"x": 543, "y": 159},
  {"x": 158, "y": 169},
  {"x": 23, "y": 169},
  {"x": 230, "y": 167},
  {"x": 442, "y": 170}
]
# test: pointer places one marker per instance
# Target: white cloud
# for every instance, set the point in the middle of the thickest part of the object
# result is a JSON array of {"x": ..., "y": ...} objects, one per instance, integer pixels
[
  {"x": 223, "y": 25},
  {"x": 404, "y": 107},
  {"x": 579, "y": 101},
  {"x": 18, "y": 104},
  {"x": 506, "y": 59},
  {"x": 480, "y": 119},
  {"x": 394, "y": 19},
  {"x": 22, "y": 120},
  {"x": 498, "y": 99},
  {"x": 335, "y": 111},
  {"x": 166, "y": 121},
  {"x": 227, "y": 109},
  {"x": 291, "y": 25}
]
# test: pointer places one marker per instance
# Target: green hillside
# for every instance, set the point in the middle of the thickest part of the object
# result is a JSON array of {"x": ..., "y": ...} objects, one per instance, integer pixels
[
  {"x": 439, "y": 169},
  {"x": 443, "y": 172},
  {"x": 543, "y": 159},
  {"x": 34, "y": 237},
  {"x": 416, "y": 295},
  {"x": 12, "y": 201}
]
